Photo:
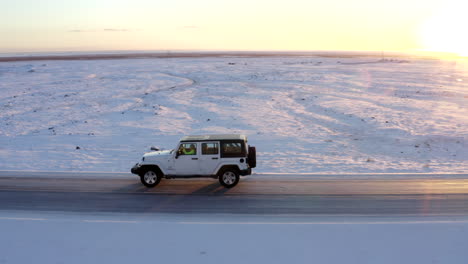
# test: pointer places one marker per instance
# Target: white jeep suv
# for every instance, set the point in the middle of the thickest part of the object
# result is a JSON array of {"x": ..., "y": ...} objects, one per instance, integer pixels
[{"x": 225, "y": 157}]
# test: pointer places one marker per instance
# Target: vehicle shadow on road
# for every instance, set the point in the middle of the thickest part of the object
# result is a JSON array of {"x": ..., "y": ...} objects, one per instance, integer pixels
[
  {"x": 132, "y": 188},
  {"x": 178, "y": 189},
  {"x": 214, "y": 188},
  {"x": 203, "y": 199}
]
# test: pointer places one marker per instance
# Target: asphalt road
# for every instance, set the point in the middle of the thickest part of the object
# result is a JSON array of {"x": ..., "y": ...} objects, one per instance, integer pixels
[{"x": 254, "y": 195}]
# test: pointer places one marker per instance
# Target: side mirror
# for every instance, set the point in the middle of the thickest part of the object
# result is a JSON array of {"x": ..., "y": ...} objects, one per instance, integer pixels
[
  {"x": 153, "y": 148},
  {"x": 178, "y": 154}
]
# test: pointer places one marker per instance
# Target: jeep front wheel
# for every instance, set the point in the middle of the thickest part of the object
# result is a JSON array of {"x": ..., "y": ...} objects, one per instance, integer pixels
[
  {"x": 229, "y": 178},
  {"x": 150, "y": 178}
]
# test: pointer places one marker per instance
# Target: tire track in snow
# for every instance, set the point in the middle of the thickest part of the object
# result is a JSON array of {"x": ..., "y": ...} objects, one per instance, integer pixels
[{"x": 189, "y": 82}]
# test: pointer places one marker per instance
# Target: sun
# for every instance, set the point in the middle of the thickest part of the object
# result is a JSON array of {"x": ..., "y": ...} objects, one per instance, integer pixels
[{"x": 445, "y": 30}]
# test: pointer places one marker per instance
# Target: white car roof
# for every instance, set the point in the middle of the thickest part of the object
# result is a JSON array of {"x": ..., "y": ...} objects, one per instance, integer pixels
[{"x": 214, "y": 137}]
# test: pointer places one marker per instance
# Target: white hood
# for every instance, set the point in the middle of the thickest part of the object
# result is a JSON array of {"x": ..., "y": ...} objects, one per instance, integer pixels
[{"x": 155, "y": 154}]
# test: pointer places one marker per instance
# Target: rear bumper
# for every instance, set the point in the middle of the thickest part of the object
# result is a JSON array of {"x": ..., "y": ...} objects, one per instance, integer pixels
[
  {"x": 246, "y": 172},
  {"x": 136, "y": 169}
]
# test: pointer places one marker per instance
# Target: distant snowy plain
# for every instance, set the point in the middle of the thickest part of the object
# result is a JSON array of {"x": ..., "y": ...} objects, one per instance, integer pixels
[{"x": 304, "y": 114}]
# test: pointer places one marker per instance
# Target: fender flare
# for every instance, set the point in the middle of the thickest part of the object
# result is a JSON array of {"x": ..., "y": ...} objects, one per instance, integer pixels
[
  {"x": 223, "y": 167},
  {"x": 155, "y": 167}
]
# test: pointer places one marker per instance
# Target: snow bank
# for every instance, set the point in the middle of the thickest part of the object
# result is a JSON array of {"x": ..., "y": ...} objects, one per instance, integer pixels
[
  {"x": 304, "y": 114},
  {"x": 84, "y": 238}
]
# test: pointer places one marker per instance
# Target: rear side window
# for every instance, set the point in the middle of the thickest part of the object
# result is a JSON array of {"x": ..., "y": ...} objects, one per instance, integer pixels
[
  {"x": 232, "y": 149},
  {"x": 210, "y": 148}
]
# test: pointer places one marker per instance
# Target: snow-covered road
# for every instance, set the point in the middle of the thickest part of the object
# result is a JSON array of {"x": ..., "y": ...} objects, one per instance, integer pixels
[
  {"x": 53, "y": 217},
  {"x": 110, "y": 238},
  {"x": 332, "y": 194}
]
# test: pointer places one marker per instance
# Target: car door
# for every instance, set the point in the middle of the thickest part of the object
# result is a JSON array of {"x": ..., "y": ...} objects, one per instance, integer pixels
[
  {"x": 209, "y": 158},
  {"x": 187, "y": 159}
]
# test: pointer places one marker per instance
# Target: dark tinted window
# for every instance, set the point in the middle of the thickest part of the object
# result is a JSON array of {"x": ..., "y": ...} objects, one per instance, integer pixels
[
  {"x": 232, "y": 149},
  {"x": 210, "y": 148}
]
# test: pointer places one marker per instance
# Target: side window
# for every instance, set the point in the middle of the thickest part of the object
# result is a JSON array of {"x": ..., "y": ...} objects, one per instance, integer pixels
[
  {"x": 232, "y": 149},
  {"x": 188, "y": 149},
  {"x": 210, "y": 148}
]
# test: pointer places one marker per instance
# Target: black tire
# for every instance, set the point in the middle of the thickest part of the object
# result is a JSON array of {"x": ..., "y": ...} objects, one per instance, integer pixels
[
  {"x": 229, "y": 178},
  {"x": 252, "y": 157},
  {"x": 150, "y": 177}
]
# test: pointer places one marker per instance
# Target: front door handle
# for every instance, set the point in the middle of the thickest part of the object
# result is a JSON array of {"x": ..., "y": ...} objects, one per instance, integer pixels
[
  {"x": 214, "y": 158},
  {"x": 194, "y": 158}
]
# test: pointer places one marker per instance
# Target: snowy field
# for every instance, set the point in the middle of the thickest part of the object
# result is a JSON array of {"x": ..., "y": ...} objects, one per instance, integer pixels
[{"x": 304, "y": 114}]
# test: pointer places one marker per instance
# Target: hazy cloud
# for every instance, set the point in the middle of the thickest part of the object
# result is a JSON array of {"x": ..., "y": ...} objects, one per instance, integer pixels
[
  {"x": 79, "y": 31},
  {"x": 190, "y": 27},
  {"x": 100, "y": 30},
  {"x": 117, "y": 30}
]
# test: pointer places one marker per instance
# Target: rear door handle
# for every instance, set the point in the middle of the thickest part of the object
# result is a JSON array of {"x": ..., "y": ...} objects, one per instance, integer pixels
[
  {"x": 194, "y": 158},
  {"x": 214, "y": 158}
]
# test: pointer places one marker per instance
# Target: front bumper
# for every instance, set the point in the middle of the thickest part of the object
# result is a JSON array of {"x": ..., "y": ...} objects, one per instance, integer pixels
[{"x": 136, "y": 169}]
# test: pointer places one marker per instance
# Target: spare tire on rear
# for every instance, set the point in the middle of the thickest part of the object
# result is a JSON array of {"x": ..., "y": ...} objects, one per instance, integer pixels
[{"x": 252, "y": 157}]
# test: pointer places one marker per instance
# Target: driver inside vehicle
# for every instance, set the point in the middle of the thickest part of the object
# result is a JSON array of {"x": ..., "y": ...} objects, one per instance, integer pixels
[{"x": 187, "y": 149}]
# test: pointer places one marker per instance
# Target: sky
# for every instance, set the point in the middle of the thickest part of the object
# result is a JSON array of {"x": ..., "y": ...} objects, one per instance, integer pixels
[{"x": 65, "y": 25}]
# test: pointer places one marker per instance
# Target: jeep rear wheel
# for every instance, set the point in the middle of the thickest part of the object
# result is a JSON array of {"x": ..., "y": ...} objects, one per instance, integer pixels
[
  {"x": 229, "y": 178},
  {"x": 150, "y": 178}
]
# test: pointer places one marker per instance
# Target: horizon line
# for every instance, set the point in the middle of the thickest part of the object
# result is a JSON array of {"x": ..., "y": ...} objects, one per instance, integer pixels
[{"x": 129, "y": 54}]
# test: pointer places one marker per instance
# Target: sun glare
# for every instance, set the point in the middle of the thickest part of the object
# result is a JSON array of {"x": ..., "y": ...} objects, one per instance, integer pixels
[{"x": 444, "y": 31}]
